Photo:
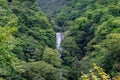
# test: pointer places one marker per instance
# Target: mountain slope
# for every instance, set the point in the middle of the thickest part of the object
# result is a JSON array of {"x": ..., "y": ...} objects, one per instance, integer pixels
[
  {"x": 27, "y": 38},
  {"x": 51, "y": 7},
  {"x": 93, "y": 36},
  {"x": 27, "y": 42},
  {"x": 34, "y": 30},
  {"x": 92, "y": 31}
]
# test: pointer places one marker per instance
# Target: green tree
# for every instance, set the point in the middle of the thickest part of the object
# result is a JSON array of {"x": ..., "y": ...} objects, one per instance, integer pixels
[
  {"x": 39, "y": 71},
  {"x": 52, "y": 56},
  {"x": 34, "y": 30}
]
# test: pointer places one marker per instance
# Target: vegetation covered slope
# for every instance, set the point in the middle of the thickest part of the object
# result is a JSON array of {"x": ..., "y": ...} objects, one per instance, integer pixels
[
  {"x": 27, "y": 40},
  {"x": 93, "y": 31},
  {"x": 94, "y": 37},
  {"x": 52, "y": 7},
  {"x": 34, "y": 30},
  {"x": 27, "y": 43}
]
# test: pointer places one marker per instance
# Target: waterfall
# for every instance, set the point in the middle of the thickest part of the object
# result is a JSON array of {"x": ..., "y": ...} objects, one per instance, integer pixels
[{"x": 59, "y": 38}]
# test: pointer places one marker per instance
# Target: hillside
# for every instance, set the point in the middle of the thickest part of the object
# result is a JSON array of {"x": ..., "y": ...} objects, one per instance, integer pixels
[
  {"x": 26, "y": 38},
  {"x": 52, "y": 7},
  {"x": 90, "y": 49},
  {"x": 92, "y": 35}
]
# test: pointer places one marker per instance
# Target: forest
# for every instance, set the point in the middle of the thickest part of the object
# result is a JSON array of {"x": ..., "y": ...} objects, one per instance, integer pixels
[{"x": 90, "y": 48}]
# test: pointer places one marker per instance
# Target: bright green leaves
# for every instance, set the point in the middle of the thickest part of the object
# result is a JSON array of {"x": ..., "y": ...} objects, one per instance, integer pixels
[
  {"x": 81, "y": 22},
  {"x": 112, "y": 43},
  {"x": 114, "y": 10},
  {"x": 40, "y": 71},
  {"x": 110, "y": 26},
  {"x": 70, "y": 50},
  {"x": 47, "y": 36},
  {"x": 113, "y": 23},
  {"x": 6, "y": 39},
  {"x": 8, "y": 22},
  {"x": 34, "y": 31},
  {"x": 51, "y": 56},
  {"x": 95, "y": 35},
  {"x": 28, "y": 44},
  {"x": 108, "y": 52},
  {"x": 8, "y": 61}
]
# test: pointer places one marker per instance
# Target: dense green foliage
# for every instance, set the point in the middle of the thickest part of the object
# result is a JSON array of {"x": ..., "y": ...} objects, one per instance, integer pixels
[
  {"x": 34, "y": 31},
  {"x": 43, "y": 72},
  {"x": 52, "y": 7},
  {"x": 27, "y": 39},
  {"x": 94, "y": 36}
]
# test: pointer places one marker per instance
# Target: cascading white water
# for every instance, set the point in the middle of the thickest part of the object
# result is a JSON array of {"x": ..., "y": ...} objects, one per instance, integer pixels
[{"x": 59, "y": 38}]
